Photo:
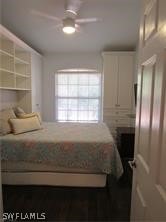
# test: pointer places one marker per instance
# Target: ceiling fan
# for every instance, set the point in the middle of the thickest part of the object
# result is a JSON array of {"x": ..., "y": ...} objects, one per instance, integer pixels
[{"x": 70, "y": 23}]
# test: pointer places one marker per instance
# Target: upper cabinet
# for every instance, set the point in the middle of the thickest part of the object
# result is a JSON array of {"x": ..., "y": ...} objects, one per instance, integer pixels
[
  {"x": 118, "y": 98},
  {"x": 125, "y": 81},
  {"x": 20, "y": 70},
  {"x": 110, "y": 70},
  {"x": 118, "y": 69}
]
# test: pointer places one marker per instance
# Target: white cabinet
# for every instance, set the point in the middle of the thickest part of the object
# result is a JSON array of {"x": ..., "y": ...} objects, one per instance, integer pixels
[
  {"x": 118, "y": 98},
  {"x": 118, "y": 69},
  {"x": 125, "y": 81},
  {"x": 110, "y": 65}
]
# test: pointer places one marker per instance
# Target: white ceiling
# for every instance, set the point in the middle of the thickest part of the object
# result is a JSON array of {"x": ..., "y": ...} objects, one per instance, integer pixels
[{"x": 118, "y": 29}]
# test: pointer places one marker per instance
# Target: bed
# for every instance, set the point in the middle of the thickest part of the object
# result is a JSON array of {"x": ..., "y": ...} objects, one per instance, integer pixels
[{"x": 62, "y": 154}]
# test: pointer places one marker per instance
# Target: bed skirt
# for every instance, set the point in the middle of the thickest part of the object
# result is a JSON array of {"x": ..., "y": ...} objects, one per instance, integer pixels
[{"x": 54, "y": 179}]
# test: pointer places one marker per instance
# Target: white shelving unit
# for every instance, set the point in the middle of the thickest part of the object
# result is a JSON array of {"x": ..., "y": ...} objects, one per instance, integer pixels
[
  {"x": 15, "y": 66},
  {"x": 19, "y": 66}
]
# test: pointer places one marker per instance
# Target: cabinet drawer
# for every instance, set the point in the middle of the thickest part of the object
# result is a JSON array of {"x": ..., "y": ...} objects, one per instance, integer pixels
[
  {"x": 123, "y": 122},
  {"x": 116, "y": 112},
  {"x": 124, "y": 112},
  {"x": 116, "y": 121},
  {"x": 110, "y": 112}
]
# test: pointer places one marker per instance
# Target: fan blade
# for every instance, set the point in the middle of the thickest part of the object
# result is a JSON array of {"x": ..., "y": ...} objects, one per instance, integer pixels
[
  {"x": 73, "y": 6},
  {"x": 78, "y": 28},
  {"x": 44, "y": 15},
  {"x": 88, "y": 20}
]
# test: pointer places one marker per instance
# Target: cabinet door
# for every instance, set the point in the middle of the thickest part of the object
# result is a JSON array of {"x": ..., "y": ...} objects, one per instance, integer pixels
[
  {"x": 110, "y": 80},
  {"x": 36, "y": 71},
  {"x": 125, "y": 79}
]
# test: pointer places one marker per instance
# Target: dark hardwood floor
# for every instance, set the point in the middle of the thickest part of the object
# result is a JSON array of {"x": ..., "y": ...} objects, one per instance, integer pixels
[{"x": 72, "y": 204}]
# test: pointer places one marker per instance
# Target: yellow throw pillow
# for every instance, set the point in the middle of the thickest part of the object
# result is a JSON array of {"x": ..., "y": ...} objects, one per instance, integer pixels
[
  {"x": 25, "y": 125},
  {"x": 5, "y": 115},
  {"x": 18, "y": 111},
  {"x": 24, "y": 116}
]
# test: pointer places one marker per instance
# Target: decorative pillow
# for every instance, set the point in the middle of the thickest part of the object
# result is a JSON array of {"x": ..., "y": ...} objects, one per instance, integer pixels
[
  {"x": 5, "y": 115},
  {"x": 25, "y": 125},
  {"x": 24, "y": 116},
  {"x": 18, "y": 111}
]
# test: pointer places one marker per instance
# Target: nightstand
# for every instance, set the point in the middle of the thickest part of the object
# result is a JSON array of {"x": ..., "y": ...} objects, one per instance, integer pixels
[{"x": 125, "y": 142}]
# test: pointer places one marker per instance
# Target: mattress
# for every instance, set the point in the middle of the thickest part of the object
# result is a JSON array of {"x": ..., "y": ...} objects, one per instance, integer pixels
[
  {"x": 8, "y": 166},
  {"x": 83, "y": 146}
]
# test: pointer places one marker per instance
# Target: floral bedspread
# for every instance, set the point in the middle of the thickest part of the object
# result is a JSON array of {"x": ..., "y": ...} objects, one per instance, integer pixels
[{"x": 70, "y": 145}]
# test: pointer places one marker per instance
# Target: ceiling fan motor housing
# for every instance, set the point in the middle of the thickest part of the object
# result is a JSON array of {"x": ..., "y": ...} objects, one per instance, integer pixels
[{"x": 68, "y": 22}]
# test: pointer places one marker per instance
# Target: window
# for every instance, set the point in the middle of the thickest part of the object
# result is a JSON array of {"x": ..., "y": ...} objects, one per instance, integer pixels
[{"x": 78, "y": 97}]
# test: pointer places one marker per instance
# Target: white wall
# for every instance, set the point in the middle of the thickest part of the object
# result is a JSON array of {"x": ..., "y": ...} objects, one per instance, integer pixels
[
  {"x": 51, "y": 64},
  {"x": 8, "y": 98},
  {"x": 36, "y": 69}
]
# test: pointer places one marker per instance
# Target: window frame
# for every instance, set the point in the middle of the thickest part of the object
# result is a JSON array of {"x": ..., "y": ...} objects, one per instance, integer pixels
[{"x": 77, "y": 72}]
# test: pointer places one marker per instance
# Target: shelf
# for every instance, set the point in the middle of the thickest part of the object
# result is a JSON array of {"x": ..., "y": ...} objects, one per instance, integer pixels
[
  {"x": 22, "y": 82},
  {"x": 22, "y": 56},
  {"x": 6, "y": 61},
  {"x": 6, "y": 46},
  {"x": 13, "y": 88},
  {"x": 7, "y": 71},
  {"x": 8, "y": 88},
  {"x": 22, "y": 75},
  {"x": 22, "y": 69},
  {"x": 7, "y": 79},
  {"x": 2, "y": 52},
  {"x": 23, "y": 89},
  {"x": 14, "y": 73},
  {"x": 21, "y": 61}
]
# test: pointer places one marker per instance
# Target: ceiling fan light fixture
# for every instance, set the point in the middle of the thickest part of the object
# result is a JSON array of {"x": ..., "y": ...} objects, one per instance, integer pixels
[
  {"x": 69, "y": 26},
  {"x": 69, "y": 29}
]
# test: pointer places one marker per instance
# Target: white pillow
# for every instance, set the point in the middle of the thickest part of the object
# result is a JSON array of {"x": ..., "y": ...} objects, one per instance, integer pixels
[
  {"x": 5, "y": 115},
  {"x": 25, "y": 125}
]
